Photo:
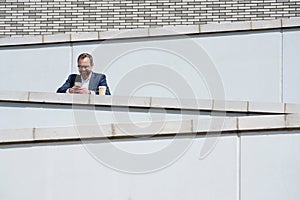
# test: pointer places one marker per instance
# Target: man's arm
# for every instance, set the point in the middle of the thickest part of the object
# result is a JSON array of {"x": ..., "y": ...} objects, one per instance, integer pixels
[{"x": 68, "y": 84}]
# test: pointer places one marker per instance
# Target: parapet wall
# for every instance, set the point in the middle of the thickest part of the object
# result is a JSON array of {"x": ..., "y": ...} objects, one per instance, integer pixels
[
  {"x": 234, "y": 156},
  {"x": 36, "y": 110},
  {"x": 250, "y": 61}
]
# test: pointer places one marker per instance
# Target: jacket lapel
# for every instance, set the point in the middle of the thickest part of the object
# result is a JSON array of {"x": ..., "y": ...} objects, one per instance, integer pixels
[{"x": 93, "y": 82}]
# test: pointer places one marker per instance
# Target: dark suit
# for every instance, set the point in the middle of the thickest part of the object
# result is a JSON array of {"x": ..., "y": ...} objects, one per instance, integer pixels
[{"x": 95, "y": 81}]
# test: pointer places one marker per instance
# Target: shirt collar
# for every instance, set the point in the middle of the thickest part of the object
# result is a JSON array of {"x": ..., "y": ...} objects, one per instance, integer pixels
[{"x": 87, "y": 78}]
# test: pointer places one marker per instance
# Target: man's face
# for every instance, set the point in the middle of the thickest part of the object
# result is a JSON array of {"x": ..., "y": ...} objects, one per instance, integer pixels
[{"x": 85, "y": 67}]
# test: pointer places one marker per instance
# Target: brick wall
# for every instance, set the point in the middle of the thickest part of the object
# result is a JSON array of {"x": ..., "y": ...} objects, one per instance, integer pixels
[{"x": 35, "y": 17}]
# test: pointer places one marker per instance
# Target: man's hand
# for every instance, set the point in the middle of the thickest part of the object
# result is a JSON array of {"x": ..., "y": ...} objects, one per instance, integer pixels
[{"x": 78, "y": 90}]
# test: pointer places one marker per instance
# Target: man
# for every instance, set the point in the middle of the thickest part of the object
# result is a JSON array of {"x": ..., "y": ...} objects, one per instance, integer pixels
[{"x": 89, "y": 81}]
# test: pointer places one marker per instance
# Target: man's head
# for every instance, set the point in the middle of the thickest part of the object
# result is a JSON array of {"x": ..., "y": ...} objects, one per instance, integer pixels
[{"x": 85, "y": 64}]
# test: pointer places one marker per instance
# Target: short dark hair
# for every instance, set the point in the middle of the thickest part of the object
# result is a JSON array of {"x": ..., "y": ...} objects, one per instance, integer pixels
[{"x": 84, "y": 55}]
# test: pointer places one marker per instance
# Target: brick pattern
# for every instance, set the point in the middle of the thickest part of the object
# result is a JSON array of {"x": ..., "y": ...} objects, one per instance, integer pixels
[{"x": 36, "y": 17}]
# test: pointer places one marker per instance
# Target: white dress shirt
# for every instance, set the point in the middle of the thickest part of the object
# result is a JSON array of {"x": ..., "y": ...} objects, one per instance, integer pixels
[{"x": 85, "y": 83}]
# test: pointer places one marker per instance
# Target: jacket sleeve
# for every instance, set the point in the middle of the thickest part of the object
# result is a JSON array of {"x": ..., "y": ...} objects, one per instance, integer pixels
[
  {"x": 102, "y": 82},
  {"x": 68, "y": 84}
]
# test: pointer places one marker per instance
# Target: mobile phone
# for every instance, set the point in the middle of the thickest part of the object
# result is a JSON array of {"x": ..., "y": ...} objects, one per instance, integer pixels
[{"x": 77, "y": 81}]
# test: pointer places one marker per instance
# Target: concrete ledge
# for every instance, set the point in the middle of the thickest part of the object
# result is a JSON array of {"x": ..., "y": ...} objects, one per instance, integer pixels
[
  {"x": 57, "y": 38},
  {"x": 120, "y": 101},
  {"x": 292, "y": 22},
  {"x": 174, "y": 30},
  {"x": 152, "y": 129},
  {"x": 292, "y": 120},
  {"x": 233, "y": 106},
  {"x": 153, "y": 32},
  {"x": 266, "y": 107},
  {"x": 292, "y": 108},
  {"x": 120, "y": 34},
  {"x": 212, "y": 125},
  {"x": 79, "y": 37},
  {"x": 73, "y": 132},
  {"x": 25, "y": 40},
  {"x": 95, "y": 131},
  {"x": 215, "y": 124},
  {"x": 16, "y": 135},
  {"x": 198, "y": 104},
  {"x": 40, "y": 97},
  {"x": 14, "y": 96},
  {"x": 223, "y": 27},
  {"x": 261, "y": 123},
  {"x": 150, "y": 102},
  {"x": 267, "y": 24}
]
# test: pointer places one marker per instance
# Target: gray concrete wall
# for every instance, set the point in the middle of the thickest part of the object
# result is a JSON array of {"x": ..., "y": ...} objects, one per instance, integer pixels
[
  {"x": 60, "y": 171},
  {"x": 291, "y": 70},
  {"x": 269, "y": 166},
  {"x": 254, "y": 66},
  {"x": 193, "y": 154},
  {"x": 257, "y": 165},
  {"x": 256, "y": 157}
]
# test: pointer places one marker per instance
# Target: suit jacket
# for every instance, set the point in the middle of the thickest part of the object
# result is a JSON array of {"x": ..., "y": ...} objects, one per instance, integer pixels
[{"x": 96, "y": 80}]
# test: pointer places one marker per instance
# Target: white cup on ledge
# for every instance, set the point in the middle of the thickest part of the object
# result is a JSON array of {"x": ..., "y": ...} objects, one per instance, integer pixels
[{"x": 102, "y": 90}]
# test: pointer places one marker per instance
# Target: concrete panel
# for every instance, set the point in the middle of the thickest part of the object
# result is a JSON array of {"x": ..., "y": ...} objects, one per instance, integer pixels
[
  {"x": 160, "y": 67},
  {"x": 40, "y": 68},
  {"x": 57, "y": 171},
  {"x": 231, "y": 66},
  {"x": 18, "y": 117},
  {"x": 270, "y": 166},
  {"x": 291, "y": 70},
  {"x": 243, "y": 66},
  {"x": 249, "y": 64}
]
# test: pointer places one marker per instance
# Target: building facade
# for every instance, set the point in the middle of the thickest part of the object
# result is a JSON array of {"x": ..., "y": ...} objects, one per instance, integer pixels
[{"x": 46, "y": 17}]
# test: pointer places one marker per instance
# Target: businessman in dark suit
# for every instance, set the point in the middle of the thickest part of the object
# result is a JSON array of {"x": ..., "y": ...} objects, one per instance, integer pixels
[{"x": 89, "y": 81}]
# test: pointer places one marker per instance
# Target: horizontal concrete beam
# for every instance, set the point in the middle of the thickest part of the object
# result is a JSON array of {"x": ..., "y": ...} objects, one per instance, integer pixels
[
  {"x": 212, "y": 125},
  {"x": 153, "y": 32},
  {"x": 150, "y": 102}
]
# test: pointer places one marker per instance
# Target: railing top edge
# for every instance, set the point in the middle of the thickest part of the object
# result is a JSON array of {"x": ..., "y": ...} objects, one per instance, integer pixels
[
  {"x": 213, "y": 126},
  {"x": 150, "y": 102}
]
